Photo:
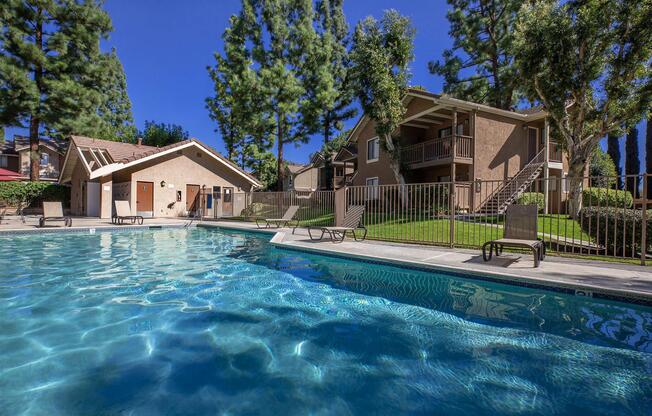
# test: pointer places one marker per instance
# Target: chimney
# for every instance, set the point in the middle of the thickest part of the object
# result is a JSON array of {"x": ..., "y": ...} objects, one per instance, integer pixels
[{"x": 139, "y": 141}]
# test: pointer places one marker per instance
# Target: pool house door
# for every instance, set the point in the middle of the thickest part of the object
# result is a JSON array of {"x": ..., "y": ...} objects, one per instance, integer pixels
[
  {"x": 145, "y": 199},
  {"x": 192, "y": 199}
]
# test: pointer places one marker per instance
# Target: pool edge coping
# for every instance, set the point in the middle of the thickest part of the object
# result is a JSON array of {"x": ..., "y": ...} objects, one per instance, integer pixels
[{"x": 514, "y": 279}]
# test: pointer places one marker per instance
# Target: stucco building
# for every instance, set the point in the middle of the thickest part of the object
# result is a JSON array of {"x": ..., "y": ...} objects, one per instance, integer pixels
[
  {"x": 158, "y": 182},
  {"x": 486, "y": 145},
  {"x": 14, "y": 156}
]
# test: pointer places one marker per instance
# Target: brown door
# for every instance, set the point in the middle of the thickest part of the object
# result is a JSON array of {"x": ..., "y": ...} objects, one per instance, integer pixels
[
  {"x": 192, "y": 198},
  {"x": 145, "y": 198},
  {"x": 227, "y": 202}
]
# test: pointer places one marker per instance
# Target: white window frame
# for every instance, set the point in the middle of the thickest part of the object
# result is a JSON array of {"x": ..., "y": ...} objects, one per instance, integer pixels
[
  {"x": 377, "y": 152},
  {"x": 47, "y": 157},
  {"x": 373, "y": 193}
]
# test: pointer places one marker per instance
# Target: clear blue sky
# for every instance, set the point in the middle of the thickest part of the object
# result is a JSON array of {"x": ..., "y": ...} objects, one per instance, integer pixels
[{"x": 165, "y": 47}]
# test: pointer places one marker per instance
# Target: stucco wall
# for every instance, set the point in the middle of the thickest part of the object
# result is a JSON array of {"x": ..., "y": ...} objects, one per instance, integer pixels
[
  {"x": 380, "y": 168},
  {"x": 307, "y": 179},
  {"x": 51, "y": 170},
  {"x": 78, "y": 177},
  {"x": 187, "y": 166}
]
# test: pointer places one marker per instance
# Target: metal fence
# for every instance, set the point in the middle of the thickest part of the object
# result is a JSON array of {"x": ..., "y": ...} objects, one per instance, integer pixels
[{"x": 609, "y": 221}]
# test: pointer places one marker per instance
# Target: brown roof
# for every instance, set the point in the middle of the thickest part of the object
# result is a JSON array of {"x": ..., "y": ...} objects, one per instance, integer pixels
[
  {"x": 122, "y": 152},
  {"x": 22, "y": 142}
]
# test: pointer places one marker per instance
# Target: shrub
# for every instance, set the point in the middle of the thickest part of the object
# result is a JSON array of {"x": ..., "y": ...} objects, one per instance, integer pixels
[
  {"x": 24, "y": 194},
  {"x": 532, "y": 198},
  {"x": 605, "y": 197},
  {"x": 616, "y": 228}
]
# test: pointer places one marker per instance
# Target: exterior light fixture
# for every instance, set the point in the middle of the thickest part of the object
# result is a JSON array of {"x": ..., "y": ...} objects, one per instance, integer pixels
[{"x": 162, "y": 184}]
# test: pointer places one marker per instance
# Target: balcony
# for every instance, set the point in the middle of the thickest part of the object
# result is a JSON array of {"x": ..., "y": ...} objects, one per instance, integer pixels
[{"x": 438, "y": 151}]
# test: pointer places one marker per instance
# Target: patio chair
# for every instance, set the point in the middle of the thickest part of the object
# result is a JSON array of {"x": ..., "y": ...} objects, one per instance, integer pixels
[
  {"x": 123, "y": 212},
  {"x": 520, "y": 231},
  {"x": 53, "y": 211},
  {"x": 289, "y": 219},
  {"x": 351, "y": 223}
]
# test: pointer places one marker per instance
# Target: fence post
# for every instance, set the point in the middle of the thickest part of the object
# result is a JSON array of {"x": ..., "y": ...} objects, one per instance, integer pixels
[
  {"x": 644, "y": 221},
  {"x": 451, "y": 215},
  {"x": 340, "y": 205}
]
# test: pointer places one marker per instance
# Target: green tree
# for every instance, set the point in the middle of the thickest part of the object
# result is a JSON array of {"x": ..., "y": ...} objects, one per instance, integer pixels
[
  {"x": 588, "y": 63},
  {"x": 263, "y": 165},
  {"x": 480, "y": 65},
  {"x": 161, "y": 134},
  {"x": 381, "y": 54},
  {"x": 613, "y": 149},
  {"x": 602, "y": 169},
  {"x": 50, "y": 66},
  {"x": 116, "y": 121},
  {"x": 329, "y": 93},
  {"x": 632, "y": 162}
]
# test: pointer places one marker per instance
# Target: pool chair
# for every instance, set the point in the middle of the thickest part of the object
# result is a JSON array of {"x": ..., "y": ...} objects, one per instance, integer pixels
[
  {"x": 123, "y": 212},
  {"x": 289, "y": 219},
  {"x": 352, "y": 223},
  {"x": 53, "y": 211},
  {"x": 520, "y": 231}
]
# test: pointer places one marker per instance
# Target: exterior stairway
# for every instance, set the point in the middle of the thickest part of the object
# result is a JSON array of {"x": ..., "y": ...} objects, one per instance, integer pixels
[{"x": 501, "y": 198}]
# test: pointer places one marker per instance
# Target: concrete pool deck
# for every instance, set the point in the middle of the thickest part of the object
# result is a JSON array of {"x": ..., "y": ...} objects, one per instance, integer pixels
[
  {"x": 617, "y": 281},
  {"x": 13, "y": 224}
]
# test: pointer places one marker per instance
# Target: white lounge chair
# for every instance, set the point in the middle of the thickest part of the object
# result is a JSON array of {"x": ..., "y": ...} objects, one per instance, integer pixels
[
  {"x": 352, "y": 222},
  {"x": 287, "y": 220},
  {"x": 53, "y": 211}
]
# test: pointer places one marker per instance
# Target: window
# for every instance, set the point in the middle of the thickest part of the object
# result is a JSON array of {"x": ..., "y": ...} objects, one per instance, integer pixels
[
  {"x": 446, "y": 131},
  {"x": 339, "y": 171},
  {"x": 372, "y": 188},
  {"x": 373, "y": 149},
  {"x": 45, "y": 159},
  {"x": 4, "y": 161},
  {"x": 217, "y": 192}
]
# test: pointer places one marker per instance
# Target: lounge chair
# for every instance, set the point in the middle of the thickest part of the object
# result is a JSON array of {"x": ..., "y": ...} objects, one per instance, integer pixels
[
  {"x": 123, "y": 212},
  {"x": 287, "y": 220},
  {"x": 520, "y": 231},
  {"x": 53, "y": 211},
  {"x": 351, "y": 223}
]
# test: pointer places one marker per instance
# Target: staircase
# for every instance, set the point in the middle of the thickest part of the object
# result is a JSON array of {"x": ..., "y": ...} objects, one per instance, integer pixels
[{"x": 501, "y": 198}]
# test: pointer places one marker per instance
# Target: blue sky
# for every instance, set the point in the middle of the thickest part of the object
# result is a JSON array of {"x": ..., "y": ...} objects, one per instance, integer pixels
[{"x": 165, "y": 47}]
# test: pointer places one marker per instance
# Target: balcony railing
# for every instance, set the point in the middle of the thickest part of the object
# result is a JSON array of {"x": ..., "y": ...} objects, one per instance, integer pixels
[
  {"x": 554, "y": 152},
  {"x": 438, "y": 149}
]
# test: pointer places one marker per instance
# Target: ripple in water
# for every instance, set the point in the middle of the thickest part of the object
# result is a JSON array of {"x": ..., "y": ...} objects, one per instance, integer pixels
[{"x": 195, "y": 321}]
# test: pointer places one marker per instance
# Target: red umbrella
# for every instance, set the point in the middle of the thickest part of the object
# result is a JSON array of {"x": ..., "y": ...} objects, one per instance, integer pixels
[{"x": 9, "y": 175}]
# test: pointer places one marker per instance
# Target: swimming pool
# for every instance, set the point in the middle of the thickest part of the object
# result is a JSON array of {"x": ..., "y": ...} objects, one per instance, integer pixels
[{"x": 199, "y": 321}]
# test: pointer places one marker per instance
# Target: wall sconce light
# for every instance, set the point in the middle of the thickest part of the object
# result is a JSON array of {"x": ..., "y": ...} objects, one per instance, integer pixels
[{"x": 162, "y": 184}]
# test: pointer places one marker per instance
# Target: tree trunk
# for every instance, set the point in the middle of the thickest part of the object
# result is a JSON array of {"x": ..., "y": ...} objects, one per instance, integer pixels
[
  {"x": 395, "y": 165},
  {"x": 648, "y": 155},
  {"x": 34, "y": 122},
  {"x": 280, "y": 174},
  {"x": 576, "y": 169}
]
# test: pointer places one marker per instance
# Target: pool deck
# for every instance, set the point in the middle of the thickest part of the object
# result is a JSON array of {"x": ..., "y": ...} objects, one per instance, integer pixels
[
  {"x": 617, "y": 281},
  {"x": 13, "y": 224}
]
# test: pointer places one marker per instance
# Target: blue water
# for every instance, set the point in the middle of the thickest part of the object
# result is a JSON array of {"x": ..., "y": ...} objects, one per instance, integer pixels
[{"x": 196, "y": 321}]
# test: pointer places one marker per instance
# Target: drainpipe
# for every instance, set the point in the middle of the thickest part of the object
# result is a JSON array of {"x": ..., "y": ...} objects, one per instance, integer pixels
[{"x": 546, "y": 144}]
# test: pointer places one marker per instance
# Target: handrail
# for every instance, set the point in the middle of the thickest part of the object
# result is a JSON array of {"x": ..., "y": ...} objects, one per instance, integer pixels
[
  {"x": 436, "y": 149},
  {"x": 534, "y": 160}
]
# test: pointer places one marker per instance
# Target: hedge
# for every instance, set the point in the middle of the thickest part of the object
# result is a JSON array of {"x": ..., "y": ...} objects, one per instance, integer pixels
[
  {"x": 609, "y": 226},
  {"x": 532, "y": 198},
  {"x": 605, "y": 197},
  {"x": 24, "y": 194}
]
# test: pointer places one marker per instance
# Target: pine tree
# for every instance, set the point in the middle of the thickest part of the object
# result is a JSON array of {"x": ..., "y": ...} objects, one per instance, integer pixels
[
  {"x": 480, "y": 65},
  {"x": 613, "y": 149},
  {"x": 50, "y": 66},
  {"x": 328, "y": 85},
  {"x": 381, "y": 54},
  {"x": 632, "y": 162}
]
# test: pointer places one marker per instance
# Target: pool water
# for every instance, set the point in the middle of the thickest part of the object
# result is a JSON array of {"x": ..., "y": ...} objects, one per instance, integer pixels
[{"x": 199, "y": 321}]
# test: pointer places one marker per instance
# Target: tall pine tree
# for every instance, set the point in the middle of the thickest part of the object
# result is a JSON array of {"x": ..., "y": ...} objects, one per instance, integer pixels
[
  {"x": 632, "y": 162},
  {"x": 326, "y": 72},
  {"x": 480, "y": 65},
  {"x": 52, "y": 70},
  {"x": 613, "y": 149}
]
